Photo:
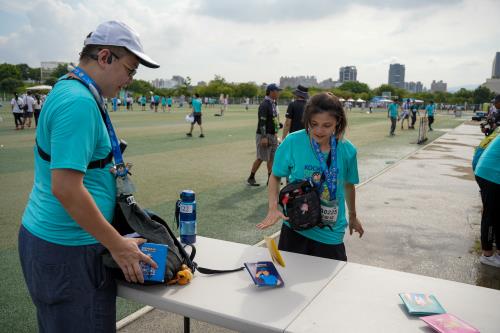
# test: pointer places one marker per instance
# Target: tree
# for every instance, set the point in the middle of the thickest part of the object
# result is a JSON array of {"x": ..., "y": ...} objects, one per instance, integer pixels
[
  {"x": 10, "y": 84},
  {"x": 355, "y": 87},
  {"x": 61, "y": 69},
  {"x": 50, "y": 81},
  {"x": 385, "y": 88},
  {"x": 482, "y": 95},
  {"x": 8, "y": 71},
  {"x": 248, "y": 89},
  {"x": 35, "y": 74},
  {"x": 141, "y": 87},
  {"x": 24, "y": 69}
]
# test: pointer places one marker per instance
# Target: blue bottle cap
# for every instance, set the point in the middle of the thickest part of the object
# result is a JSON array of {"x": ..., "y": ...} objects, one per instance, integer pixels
[{"x": 187, "y": 196}]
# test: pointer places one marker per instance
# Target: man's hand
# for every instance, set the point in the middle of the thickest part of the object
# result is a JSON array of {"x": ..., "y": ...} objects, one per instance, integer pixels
[{"x": 128, "y": 256}]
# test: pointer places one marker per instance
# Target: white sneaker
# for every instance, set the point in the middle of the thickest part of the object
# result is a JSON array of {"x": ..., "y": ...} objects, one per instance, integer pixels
[{"x": 493, "y": 260}]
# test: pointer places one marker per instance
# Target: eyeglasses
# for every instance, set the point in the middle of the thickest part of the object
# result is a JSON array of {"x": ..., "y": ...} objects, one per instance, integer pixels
[{"x": 130, "y": 71}]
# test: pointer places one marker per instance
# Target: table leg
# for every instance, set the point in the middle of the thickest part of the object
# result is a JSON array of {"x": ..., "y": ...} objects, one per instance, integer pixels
[{"x": 187, "y": 324}]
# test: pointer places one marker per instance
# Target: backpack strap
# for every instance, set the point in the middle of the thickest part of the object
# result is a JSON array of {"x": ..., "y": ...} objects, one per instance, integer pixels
[
  {"x": 190, "y": 258},
  {"x": 97, "y": 164}
]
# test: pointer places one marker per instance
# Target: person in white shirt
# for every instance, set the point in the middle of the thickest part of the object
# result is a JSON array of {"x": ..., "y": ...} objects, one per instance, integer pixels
[
  {"x": 37, "y": 107},
  {"x": 28, "y": 113},
  {"x": 16, "y": 105}
]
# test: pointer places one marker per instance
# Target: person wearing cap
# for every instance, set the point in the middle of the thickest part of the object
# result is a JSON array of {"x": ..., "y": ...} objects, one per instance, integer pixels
[
  {"x": 66, "y": 225},
  {"x": 295, "y": 111},
  {"x": 266, "y": 138}
]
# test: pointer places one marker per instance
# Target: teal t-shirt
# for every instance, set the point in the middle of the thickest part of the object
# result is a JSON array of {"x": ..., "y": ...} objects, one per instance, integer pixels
[
  {"x": 169, "y": 101},
  {"x": 196, "y": 102},
  {"x": 430, "y": 110},
  {"x": 296, "y": 159},
  {"x": 488, "y": 166},
  {"x": 71, "y": 130},
  {"x": 393, "y": 110},
  {"x": 163, "y": 101}
]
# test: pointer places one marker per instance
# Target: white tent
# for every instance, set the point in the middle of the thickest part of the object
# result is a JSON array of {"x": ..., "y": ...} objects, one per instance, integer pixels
[
  {"x": 350, "y": 100},
  {"x": 418, "y": 101},
  {"x": 359, "y": 100},
  {"x": 384, "y": 100},
  {"x": 43, "y": 87},
  {"x": 341, "y": 99}
]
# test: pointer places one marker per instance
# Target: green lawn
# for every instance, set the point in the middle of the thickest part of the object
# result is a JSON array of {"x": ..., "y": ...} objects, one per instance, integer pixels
[{"x": 165, "y": 163}]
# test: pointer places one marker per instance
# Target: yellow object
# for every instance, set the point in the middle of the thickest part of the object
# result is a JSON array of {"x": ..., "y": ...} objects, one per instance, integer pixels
[
  {"x": 274, "y": 252},
  {"x": 184, "y": 276}
]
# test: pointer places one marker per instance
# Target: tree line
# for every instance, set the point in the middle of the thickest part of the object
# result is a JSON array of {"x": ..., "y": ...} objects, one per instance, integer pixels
[{"x": 13, "y": 78}]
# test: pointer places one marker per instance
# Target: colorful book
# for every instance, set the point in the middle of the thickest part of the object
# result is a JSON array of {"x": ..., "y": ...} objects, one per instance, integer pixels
[
  {"x": 264, "y": 274},
  {"x": 448, "y": 323},
  {"x": 274, "y": 252},
  {"x": 157, "y": 252},
  {"x": 421, "y": 304}
]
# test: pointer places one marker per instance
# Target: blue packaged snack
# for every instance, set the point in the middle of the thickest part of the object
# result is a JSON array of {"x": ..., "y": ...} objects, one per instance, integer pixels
[{"x": 157, "y": 252}]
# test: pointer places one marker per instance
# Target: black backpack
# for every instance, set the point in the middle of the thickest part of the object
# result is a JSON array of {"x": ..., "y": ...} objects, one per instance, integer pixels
[{"x": 130, "y": 217}]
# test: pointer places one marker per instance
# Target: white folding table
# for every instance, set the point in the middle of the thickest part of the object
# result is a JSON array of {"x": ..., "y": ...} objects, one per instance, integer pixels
[
  {"x": 365, "y": 299},
  {"x": 232, "y": 300}
]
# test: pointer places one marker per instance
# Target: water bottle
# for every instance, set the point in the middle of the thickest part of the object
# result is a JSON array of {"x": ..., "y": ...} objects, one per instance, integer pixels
[{"x": 186, "y": 217}]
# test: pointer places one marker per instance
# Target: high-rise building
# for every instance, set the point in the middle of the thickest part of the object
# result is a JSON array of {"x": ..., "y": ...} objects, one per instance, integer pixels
[
  {"x": 414, "y": 87},
  {"x": 397, "y": 75},
  {"x": 348, "y": 73},
  {"x": 438, "y": 86},
  {"x": 495, "y": 73}
]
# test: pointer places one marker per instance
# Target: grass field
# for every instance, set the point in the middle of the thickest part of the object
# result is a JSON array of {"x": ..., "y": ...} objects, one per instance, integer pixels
[{"x": 166, "y": 162}]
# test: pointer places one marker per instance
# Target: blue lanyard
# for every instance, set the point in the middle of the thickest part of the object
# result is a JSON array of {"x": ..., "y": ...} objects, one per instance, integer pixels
[
  {"x": 96, "y": 92},
  {"x": 329, "y": 173}
]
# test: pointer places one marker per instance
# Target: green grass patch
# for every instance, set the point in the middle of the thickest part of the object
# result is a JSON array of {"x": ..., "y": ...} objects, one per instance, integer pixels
[{"x": 166, "y": 162}]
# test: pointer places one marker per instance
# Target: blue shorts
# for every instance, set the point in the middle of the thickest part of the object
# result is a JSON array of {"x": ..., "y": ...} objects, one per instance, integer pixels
[{"x": 69, "y": 285}]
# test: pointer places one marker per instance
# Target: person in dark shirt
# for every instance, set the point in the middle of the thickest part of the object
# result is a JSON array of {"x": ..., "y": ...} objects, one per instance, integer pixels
[
  {"x": 295, "y": 111},
  {"x": 266, "y": 138}
]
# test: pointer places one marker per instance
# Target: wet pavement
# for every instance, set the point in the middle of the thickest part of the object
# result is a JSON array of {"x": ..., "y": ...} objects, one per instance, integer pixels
[{"x": 421, "y": 215}]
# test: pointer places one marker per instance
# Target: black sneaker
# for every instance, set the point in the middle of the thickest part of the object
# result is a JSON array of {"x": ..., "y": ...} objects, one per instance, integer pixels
[
  {"x": 252, "y": 182},
  {"x": 189, "y": 134},
  {"x": 202, "y": 136}
]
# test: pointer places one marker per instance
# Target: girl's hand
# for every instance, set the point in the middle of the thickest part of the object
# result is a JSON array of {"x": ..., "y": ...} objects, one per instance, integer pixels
[
  {"x": 273, "y": 216},
  {"x": 355, "y": 225}
]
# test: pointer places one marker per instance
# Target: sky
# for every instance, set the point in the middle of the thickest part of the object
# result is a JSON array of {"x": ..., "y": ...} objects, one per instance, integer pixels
[{"x": 261, "y": 40}]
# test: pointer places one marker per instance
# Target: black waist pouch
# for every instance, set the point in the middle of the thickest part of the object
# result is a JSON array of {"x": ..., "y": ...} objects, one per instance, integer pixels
[{"x": 301, "y": 204}]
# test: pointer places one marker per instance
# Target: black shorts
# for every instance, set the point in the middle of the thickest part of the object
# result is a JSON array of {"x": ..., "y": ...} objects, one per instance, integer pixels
[
  {"x": 28, "y": 114},
  {"x": 197, "y": 118},
  {"x": 292, "y": 241}
]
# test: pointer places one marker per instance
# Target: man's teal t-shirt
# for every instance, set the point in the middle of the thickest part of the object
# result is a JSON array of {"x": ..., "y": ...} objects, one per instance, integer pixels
[
  {"x": 393, "y": 110},
  {"x": 296, "y": 159},
  {"x": 71, "y": 130},
  {"x": 488, "y": 166},
  {"x": 430, "y": 110},
  {"x": 196, "y": 102},
  {"x": 163, "y": 101}
]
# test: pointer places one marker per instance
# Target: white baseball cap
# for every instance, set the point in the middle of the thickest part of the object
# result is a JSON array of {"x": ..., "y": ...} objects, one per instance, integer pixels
[{"x": 115, "y": 33}]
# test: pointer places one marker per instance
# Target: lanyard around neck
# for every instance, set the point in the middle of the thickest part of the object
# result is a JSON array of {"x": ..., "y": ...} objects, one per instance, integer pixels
[
  {"x": 329, "y": 172},
  {"x": 81, "y": 75}
]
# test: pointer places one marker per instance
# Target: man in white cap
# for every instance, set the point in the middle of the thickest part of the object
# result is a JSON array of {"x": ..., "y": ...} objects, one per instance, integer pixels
[{"x": 66, "y": 223}]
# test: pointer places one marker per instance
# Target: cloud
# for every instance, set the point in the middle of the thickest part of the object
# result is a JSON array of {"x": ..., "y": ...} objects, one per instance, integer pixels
[
  {"x": 262, "y": 40},
  {"x": 275, "y": 11}
]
